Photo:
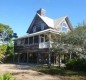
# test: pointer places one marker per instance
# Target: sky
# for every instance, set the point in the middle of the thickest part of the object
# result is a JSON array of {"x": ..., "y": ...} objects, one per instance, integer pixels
[{"x": 18, "y": 14}]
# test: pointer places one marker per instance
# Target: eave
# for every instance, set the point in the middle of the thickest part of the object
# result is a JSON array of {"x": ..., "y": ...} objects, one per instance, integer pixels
[{"x": 39, "y": 33}]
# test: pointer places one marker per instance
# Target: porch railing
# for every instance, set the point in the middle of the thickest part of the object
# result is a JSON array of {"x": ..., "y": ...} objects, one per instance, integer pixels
[{"x": 45, "y": 45}]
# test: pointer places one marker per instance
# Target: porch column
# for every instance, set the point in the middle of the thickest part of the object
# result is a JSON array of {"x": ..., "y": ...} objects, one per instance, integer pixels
[
  {"x": 28, "y": 41},
  {"x": 14, "y": 57},
  {"x": 33, "y": 39},
  {"x": 18, "y": 57},
  {"x": 44, "y": 37},
  {"x": 38, "y": 57},
  {"x": 27, "y": 56},
  {"x": 49, "y": 54},
  {"x": 39, "y": 39},
  {"x": 54, "y": 62},
  {"x": 57, "y": 59}
]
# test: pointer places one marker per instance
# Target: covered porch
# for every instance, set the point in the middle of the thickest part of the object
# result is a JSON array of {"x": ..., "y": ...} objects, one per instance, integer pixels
[{"x": 35, "y": 47}]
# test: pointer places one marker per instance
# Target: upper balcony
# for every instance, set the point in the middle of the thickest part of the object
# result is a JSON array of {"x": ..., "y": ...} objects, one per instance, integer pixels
[{"x": 39, "y": 40}]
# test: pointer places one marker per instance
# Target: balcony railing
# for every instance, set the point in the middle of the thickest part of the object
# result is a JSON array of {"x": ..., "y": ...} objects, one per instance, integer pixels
[{"x": 45, "y": 45}]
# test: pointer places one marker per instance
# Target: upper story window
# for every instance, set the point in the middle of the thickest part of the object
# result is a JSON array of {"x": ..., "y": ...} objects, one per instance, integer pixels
[
  {"x": 34, "y": 29},
  {"x": 64, "y": 27},
  {"x": 38, "y": 28},
  {"x": 42, "y": 26}
]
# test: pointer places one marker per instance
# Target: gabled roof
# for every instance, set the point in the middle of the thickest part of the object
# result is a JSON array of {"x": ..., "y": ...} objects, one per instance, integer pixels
[
  {"x": 53, "y": 23},
  {"x": 59, "y": 20},
  {"x": 47, "y": 20}
]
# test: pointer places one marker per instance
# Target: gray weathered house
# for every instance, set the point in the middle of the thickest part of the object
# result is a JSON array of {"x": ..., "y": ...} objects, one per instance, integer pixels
[{"x": 34, "y": 47}]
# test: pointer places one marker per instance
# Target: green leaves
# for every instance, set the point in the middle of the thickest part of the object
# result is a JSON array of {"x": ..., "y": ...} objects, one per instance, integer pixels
[
  {"x": 3, "y": 49},
  {"x": 76, "y": 37},
  {"x": 6, "y": 38},
  {"x": 7, "y": 76}
]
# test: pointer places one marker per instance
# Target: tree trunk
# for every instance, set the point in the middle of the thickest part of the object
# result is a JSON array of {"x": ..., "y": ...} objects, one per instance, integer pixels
[
  {"x": 18, "y": 57},
  {"x": 64, "y": 58},
  {"x": 54, "y": 59},
  {"x": 70, "y": 55},
  {"x": 59, "y": 61}
]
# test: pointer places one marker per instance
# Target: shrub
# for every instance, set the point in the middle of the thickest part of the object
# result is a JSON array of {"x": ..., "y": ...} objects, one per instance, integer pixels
[
  {"x": 7, "y": 76},
  {"x": 77, "y": 64}
]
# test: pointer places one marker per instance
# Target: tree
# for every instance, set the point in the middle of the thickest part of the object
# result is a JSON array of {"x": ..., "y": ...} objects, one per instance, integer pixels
[
  {"x": 6, "y": 32},
  {"x": 77, "y": 38},
  {"x": 6, "y": 35},
  {"x": 57, "y": 47}
]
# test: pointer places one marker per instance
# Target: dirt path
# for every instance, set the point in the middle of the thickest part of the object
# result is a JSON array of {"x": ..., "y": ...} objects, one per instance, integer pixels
[{"x": 24, "y": 72}]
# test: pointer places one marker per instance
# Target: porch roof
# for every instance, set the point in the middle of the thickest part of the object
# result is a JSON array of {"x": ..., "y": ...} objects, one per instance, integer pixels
[{"x": 40, "y": 32}]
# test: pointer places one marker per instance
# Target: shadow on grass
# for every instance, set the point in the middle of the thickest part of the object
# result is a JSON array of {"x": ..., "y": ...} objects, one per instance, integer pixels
[{"x": 59, "y": 71}]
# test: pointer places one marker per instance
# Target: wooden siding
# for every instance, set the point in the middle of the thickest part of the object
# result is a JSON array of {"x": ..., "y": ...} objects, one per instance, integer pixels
[{"x": 37, "y": 23}]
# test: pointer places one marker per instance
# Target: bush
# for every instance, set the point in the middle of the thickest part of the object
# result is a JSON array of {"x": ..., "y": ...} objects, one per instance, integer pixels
[
  {"x": 6, "y": 76},
  {"x": 76, "y": 64}
]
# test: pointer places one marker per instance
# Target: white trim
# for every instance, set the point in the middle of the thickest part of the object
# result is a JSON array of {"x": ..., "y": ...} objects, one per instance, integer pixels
[{"x": 38, "y": 33}]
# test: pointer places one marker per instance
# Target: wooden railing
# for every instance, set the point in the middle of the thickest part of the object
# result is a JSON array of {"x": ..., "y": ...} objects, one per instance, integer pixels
[
  {"x": 33, "y": 47},
  {"x": 25, "y": 48}
]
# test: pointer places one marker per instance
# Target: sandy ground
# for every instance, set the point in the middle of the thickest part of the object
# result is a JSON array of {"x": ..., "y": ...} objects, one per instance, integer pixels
[{"x": 25, "y": 72}]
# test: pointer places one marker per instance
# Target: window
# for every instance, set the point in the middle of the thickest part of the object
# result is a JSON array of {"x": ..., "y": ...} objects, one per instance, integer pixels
[
  {"x": 42, "y": 38},
  {"x": 38, "y": 28},
  {"x": 22, "y": 41},
  {"x": 64, "y": 27},
  {"x": 34, "y": 29},
  {"x": 42, "y": 26},
  {"x": 30, "y": 40},
  {"x": 36, "y": 39}
]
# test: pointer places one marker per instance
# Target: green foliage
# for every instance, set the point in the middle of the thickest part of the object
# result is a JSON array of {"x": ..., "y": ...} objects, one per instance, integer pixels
[
  {"x": 3, "y": 49},
  {"x": 53, "y": 70},
  {"x": 62, "y": 73},
  {"x": 76, "y": 39},
  {"x": 4, "y": 27},
  {"x": 7, "y": 76},
  {"x": 77, "y": 64},
  {"x": 77, "y": 36},
  {"x": 8, "y": 48}
]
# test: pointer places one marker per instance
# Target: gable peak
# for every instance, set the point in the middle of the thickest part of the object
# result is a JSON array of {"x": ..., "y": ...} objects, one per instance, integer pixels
[{"x": 41, "y": 12}]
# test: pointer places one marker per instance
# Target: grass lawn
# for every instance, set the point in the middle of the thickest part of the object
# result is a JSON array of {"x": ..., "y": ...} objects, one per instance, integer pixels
[{"x": 62, "y": 73}]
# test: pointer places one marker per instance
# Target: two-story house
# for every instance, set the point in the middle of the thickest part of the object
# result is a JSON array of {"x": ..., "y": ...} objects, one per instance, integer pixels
[{"x": 34, "y": 47}]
